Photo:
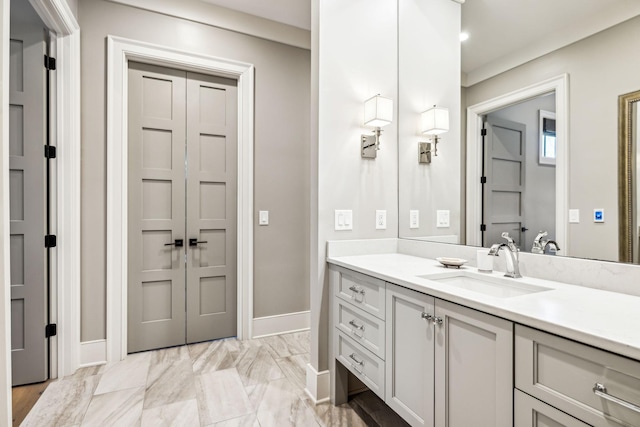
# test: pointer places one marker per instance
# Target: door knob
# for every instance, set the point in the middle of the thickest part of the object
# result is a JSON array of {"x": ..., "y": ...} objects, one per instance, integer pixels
[
  {"x": 178, "y": 243},
  {"x": 194, "y": 242}
]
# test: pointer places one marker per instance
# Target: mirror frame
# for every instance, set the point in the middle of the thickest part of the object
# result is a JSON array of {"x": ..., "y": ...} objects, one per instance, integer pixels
[{"x": 625, "y": 174}]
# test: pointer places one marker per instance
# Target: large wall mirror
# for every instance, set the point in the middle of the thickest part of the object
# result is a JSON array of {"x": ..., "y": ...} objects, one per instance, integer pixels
[
  {"x": 629, "y": 177},
  {"x": 551, "y": 160}
]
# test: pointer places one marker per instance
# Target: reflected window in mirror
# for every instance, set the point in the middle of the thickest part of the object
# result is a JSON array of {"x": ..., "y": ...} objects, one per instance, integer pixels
[{"x": 547, "y": 138}]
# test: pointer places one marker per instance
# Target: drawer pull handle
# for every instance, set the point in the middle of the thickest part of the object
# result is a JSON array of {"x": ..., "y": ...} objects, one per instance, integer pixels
[
  {"x": 355, "y": 325},
  {"x": 356, "y": 289},
  {"x": 601, "y": 390},
  {"x": 355, "y": 359}
]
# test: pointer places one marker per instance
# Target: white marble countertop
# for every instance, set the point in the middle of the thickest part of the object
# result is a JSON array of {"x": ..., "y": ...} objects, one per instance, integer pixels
[{"x": 603, "y": 319}]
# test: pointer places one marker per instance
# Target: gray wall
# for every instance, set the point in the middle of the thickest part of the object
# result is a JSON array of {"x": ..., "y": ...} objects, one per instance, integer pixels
[
  {"x": 281, "y": 172},
  {"x": 539, "y": 204},
  {"x": 600, "y": 68}
]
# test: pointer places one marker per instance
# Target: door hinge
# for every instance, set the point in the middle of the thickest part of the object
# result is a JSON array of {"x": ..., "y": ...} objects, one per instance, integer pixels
[
  {"x": 49, "y": 152},
  {"x": 483, "y": 132},
  {"x": 483, "y": 227},
  {"x": 49, "y": 63},
  {"x": 51, "y": 330},
  {"x": 50, "y": 241},
  {"x": 483, "y": 180}
]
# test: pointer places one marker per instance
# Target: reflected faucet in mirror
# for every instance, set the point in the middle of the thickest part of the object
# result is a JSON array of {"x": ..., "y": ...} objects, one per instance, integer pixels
[
  {"x": 540, "y": 244},
  {"x": 513, "y": 267}
]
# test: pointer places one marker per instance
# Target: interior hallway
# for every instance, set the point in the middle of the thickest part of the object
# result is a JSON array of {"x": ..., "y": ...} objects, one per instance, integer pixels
[{"x": 221, "y": 383}]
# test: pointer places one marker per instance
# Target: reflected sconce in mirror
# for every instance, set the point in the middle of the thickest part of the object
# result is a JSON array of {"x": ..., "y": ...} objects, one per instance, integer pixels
[
  {"x": 433, "y": 122},
  {"x": 378, "y": 112}
]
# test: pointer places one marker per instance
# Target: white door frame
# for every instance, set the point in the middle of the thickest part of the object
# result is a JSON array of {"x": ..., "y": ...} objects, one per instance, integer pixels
[
  {"x": 560, "y": 85},
  {"x": 119, "y": 52}
]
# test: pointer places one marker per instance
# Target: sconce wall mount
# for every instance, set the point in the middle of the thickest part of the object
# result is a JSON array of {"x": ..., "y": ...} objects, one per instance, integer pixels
[
  {"x": 378, "y": 112},
  {"x": 434, "y": 122}
]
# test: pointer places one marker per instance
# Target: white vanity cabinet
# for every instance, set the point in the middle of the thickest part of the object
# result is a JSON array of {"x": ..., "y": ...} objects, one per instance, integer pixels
[
  {"x": 447, "y": 365},
  {"x": 595, "y": 386}
]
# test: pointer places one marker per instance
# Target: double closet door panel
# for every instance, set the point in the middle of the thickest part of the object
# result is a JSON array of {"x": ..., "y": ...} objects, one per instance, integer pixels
[
  {"x": 212, "y": 206},
  {"x": 27, "y": 183},
  {"x": 183, "y": 184},
  {"x": 156, "y": 134}
]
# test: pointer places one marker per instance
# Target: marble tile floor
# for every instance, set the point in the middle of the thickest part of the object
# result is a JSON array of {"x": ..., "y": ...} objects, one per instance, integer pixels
[{"x": 224, "y": 383}]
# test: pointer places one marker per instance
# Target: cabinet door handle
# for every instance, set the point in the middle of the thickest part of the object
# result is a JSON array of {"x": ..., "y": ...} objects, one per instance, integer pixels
[
  {"x": 355, "y": 325},
  {"x": 427, "y": 317},
  {"x": 177, "y": 243},
  {"x": 601, "y": 390},
  {"x": 437, "y": 320},
  {"x": 353, "y": 357},
  {"x": 356, "y": 289}
]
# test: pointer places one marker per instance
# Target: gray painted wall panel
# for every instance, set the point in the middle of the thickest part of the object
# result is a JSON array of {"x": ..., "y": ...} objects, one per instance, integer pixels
[{"x": 281, "y": 171}]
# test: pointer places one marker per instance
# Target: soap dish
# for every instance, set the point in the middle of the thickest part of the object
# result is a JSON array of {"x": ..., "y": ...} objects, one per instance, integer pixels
[{"x": 451, "y": 262}]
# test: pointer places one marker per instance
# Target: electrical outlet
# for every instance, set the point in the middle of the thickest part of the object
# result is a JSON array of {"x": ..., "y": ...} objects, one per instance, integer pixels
[
  {"x": 414, "y": 219},
  {"x": 381, "y": 220},
  {"x": 443, "y": 219},
  {"x": 344, "y": 220}
]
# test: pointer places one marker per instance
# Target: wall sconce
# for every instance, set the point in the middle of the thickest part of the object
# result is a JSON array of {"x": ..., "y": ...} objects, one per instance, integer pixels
[
  {"x": 378, "y": 112},
  {"x": 434, "y": 121}
]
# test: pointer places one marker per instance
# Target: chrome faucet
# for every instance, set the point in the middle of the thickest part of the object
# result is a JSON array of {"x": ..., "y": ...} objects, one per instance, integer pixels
[
  {"x": 540, "y": 245},
  {"x": 512, "y": 252}
]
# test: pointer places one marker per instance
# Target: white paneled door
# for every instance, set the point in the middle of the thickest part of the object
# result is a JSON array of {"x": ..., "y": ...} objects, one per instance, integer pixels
[
  {"x": 27, "y": 181},
  {"x": 182, "y": 207}
]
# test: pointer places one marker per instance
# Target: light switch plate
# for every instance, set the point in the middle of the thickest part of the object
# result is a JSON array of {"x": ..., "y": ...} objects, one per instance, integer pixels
[
  {"x": 598, "y": 215},
  {"x": 344, "y": 220},
  {"x": 443, "y": 219},
  {"x": 263, "y": 217},
  {"x": 414, "y": 219},
  {"x": 574, "y": 216},
  {"x": 381, "y": 220}
]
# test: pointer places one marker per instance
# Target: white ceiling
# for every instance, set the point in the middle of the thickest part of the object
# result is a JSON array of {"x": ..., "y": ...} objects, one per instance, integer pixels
[
  {"x": 292, "y": 12},
  {"x": 503, "y": 33}
]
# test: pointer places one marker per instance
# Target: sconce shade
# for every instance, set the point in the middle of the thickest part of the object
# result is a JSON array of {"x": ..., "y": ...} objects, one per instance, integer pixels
[
  {"x": 378, "y": 111},
  {"x": 435, "y": 121}
]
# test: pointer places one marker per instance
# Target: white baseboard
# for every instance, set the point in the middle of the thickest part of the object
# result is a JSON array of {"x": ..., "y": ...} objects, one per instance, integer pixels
[
  {"x": 281, "y": 323},
  {"x": 93, "y": 353},
  {"x": 317, "y": 385}
]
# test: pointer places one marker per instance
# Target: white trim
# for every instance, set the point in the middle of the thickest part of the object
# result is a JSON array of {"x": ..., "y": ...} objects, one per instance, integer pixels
[
  {"x": 558, "y": 84},
  {"x": 65, "y": 306},
  {"x": 281, "y": 324},
  {"x": 228, "y": 19},
  {"x": 317, "y": 385},
  {"x": 93, "y": 353},
  {"x": 119, "y": 52}
]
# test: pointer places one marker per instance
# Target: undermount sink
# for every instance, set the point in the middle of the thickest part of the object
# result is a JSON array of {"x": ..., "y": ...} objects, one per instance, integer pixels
[{"x": 493, "y": 286}]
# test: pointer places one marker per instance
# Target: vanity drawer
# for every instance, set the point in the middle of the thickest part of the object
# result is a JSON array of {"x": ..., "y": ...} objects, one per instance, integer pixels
[
  {"x": 362, "y": 327},
  {"x": 362, "y": 291},
  {"x": 565, "y": 373},
  {"x": 530, "y": 412},
  {"x": 366, "y": 366}
]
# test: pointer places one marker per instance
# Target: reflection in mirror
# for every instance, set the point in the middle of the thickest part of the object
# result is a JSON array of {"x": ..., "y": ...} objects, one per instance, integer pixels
[
  {"x": 519, "y": 187},
  {"x": 629, "y": 177},
  {"x": 586, "y": 172}
]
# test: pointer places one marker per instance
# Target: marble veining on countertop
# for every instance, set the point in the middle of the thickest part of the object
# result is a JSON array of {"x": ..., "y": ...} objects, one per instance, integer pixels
[{"x": 608, "y": 320}]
